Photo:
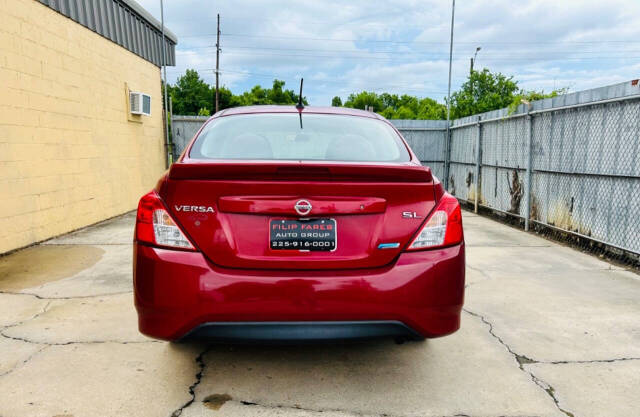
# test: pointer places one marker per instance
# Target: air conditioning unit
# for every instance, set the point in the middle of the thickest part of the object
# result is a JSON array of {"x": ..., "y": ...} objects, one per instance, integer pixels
[{"x": 140, "y": 103}]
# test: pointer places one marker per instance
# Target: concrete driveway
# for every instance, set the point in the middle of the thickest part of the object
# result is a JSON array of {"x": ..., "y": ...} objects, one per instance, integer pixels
[{"x": 547, "y": 331}]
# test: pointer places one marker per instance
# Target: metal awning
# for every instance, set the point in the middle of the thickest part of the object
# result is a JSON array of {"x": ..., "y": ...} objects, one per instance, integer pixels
[{"x": 124, "y": 22}]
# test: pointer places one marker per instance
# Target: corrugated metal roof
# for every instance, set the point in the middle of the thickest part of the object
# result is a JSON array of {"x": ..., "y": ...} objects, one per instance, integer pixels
[{"x": 124, "y": 22}]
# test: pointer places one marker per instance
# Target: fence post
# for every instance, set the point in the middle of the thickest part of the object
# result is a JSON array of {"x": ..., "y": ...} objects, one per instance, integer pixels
[
  {"x": 529, "y": 158},
  {"x": 478, "y": 164},
  {"x": 171, "y": 145},
  {"x": 447, "y": 156}
]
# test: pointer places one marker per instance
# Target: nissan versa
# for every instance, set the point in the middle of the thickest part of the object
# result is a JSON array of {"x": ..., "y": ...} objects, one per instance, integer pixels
[{"x": 294, "y": 224}]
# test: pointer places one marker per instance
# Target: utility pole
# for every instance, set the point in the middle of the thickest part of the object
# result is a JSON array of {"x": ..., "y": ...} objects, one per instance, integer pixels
[
  {"x": 453, "y": 12},
  {"x": 448, "y": 143},
  {"x": 164, "y": 67},
  {"x": 218, "y": 66},
  {"x": 473, "y": 60}
]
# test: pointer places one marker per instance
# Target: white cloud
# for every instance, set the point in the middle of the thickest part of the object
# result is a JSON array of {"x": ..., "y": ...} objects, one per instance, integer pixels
[{"x": 402, "y": 46}]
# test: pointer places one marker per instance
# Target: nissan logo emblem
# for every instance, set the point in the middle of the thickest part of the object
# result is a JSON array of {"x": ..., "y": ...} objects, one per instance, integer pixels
[{"x": 303, "y": 207}]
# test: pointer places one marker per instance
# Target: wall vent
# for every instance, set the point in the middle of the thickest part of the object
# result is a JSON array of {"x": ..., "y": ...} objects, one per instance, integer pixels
[{"x": 140, "y": 103}]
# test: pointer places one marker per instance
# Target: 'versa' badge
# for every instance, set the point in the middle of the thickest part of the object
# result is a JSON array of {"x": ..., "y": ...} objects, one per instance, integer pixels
[{"x": 195, "y": 209}]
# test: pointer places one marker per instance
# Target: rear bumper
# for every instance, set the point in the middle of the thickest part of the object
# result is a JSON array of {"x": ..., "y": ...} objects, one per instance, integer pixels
[
  {"x": 301, "y": 331},
  {"x": 179, "y": 293}
]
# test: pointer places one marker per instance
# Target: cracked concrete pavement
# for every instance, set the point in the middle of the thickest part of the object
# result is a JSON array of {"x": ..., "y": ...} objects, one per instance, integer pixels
[{"x": 546, "y": 331}]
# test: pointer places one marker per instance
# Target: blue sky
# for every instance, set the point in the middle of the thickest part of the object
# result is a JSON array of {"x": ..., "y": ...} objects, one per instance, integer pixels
[{"x": 341, "y": 47}]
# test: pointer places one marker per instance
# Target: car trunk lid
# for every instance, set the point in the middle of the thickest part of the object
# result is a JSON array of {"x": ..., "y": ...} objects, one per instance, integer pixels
[{"x": 229, "y": 209}]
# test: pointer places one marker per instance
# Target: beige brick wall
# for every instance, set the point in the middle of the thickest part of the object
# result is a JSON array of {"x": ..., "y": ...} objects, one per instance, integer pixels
[{"x": 69, "y": 155}]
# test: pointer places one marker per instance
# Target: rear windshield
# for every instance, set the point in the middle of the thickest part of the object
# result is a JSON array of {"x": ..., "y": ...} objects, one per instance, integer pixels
[{"x": 323, "y": 137}]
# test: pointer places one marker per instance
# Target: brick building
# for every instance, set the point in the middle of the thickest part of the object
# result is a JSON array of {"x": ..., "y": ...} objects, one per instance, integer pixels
[{"x": 73, "y": 151}]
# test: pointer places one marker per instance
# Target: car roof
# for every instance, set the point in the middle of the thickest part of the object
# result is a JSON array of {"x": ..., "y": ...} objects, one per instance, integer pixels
[{"x": 345, "y": 111}]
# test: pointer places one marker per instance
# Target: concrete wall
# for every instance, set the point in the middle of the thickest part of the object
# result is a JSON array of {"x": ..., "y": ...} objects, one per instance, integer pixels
[{"x": 69, "y": 153}]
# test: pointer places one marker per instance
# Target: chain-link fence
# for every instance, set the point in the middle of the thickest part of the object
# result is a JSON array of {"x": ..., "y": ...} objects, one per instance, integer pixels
[
  {"x": 427, "y": 139},
  {"x": 183, "y": 129},
  {"x": 567, "y": 166}
]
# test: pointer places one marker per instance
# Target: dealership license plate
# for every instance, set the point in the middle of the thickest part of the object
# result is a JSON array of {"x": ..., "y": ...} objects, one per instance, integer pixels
[{"x": 306, "y": 235}]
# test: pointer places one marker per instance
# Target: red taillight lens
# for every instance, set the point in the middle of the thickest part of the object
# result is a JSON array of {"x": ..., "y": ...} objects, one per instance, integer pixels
[
  {"x": 443, "y": 228},
  {"x": 154, "y": 225}
]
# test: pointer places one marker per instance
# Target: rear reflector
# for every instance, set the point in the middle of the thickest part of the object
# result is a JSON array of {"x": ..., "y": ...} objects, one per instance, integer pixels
[
  {"x": 443, "y": 228},
  {"x": 155, "y": 226}
]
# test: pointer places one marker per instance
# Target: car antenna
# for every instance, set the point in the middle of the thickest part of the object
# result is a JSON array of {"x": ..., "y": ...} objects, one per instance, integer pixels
[{"x": 300, "y": 105}]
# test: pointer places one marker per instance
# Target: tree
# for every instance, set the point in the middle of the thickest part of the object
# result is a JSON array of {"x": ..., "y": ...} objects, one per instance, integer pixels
[
  {"x": 277, "y": 95},
  {"x": 483, "y": 91},
  {"x": 190, "y": 94},
  {"x": 274, "y": 95},
  {"x": 388, "y": 113},
  {"x": 225, "y": 97},
  {"x": 390, "y": 100},
  {"x": 430, "y": 109},
  {"x": 363, "y": 99},
  {"x": 404, "y": 112},
  {"x": 392, "y": 106}
]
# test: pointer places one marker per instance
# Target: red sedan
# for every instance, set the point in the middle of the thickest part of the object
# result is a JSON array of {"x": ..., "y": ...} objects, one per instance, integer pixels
[{"x": 285, "y": 224}]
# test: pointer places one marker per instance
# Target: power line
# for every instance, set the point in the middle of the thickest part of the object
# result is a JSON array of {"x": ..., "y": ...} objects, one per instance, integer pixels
[
  {"x": 242, "y": 35},
  {"x": 369, "y": 58},
  {"x": 365, "y": 54},
  {"x": 293, "y": 49},
  {"x": 365, "y": 18},
  {"x": 408, "y": 87},
  {"x": 495, "y": 57},
  {"x": 396, "y": 52}
]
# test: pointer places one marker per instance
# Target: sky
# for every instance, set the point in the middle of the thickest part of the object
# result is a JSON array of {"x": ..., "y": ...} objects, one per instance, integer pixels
[{"x": 402, "y": 47}]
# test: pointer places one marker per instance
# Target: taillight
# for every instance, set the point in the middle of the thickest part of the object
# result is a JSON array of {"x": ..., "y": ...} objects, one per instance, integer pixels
[
  {"x": 443, "y": 228},
  {"x": 154, "y": 225}
]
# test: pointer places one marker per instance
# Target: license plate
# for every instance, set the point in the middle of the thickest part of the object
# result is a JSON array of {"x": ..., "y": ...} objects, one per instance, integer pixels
[{"x": 306, "y": 235}]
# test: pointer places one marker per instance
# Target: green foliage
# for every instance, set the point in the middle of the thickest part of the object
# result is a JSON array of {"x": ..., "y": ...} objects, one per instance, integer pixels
[
  {"x": 529, "y": 96},
  {"x": 274, "y": 95},
  {"x": 191, "y": 95},
  {"x": 483, "y": 91},
  {"x": 392, "y": 106},
  {"x": 225, "y": 97},
  {"x": 364, "y": 99}
]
